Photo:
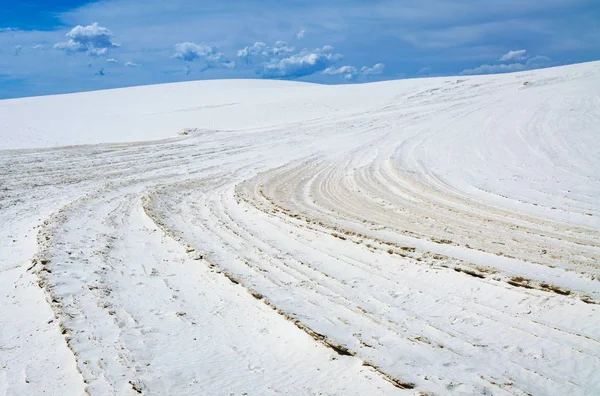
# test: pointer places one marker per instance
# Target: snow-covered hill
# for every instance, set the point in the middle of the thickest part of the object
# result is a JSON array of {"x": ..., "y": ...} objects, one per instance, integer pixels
[{"x": 439, "y": 236}]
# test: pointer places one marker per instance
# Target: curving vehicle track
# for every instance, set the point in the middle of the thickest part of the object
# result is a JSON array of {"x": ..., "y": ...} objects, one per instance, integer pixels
[{"x": 435, "y": 236}]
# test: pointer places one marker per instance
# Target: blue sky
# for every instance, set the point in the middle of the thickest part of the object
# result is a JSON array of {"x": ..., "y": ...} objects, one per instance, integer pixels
[{"x": 58, "y": 46}]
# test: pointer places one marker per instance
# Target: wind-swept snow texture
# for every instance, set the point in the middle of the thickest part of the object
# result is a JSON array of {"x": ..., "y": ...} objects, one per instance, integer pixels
[{"x": 434, "y": 236}]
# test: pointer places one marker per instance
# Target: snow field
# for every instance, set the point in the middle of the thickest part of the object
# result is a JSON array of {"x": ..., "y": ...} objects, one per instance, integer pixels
[{"x": 435, "y": 236}]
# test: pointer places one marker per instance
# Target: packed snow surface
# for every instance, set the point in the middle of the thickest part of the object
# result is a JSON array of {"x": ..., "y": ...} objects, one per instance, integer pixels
[{"x": 432, "y": 236}]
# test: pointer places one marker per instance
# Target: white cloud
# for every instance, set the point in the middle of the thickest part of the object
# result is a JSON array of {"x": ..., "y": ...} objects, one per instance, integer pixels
[
  {"x": 348, "y": 72},
  {"x": 189, "y": 52},
  {"x": 280, "y": 48},
  {"x": 301, "y": 64},
  {"x": 371, "y": 71},
  {"x": 260, "y": 51},
  {"x": 8, "y": 29},
  {"x": 536, "y": 62},
  {"x": 352, "y": 73},
  {"x": 282, "y": 61},
  {"x": 210, "y": 55},
  {"x": 131, "y": 64},
  {"x": 112, "y": 60},
  {"x": 514, "y": 56},
  {"x": 38, "y": 46},
  {"x": 254, "y": 49},
  {"x": 300, "y": 34},
  {"x": 93, "y": 39}
]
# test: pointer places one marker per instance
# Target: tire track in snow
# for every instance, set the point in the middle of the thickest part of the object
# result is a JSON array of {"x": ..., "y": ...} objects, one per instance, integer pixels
[
  {"x": 269, "y": 271},
  {"x": 383, "y": 197},
  {"x": 91, "y": 265},
  {"x": 411, "y": 236}
]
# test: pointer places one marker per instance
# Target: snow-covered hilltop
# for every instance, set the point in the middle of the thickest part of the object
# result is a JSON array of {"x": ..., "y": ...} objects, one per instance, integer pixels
[{"x": 264, "y": 237}]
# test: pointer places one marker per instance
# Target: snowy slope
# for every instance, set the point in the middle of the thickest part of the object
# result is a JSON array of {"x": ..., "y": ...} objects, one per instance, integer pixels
[
  {"x": 161, "y": 111},
  {"x": 436, "y": 236}
]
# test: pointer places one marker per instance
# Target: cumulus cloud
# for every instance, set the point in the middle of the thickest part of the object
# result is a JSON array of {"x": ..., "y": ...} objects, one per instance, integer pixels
[
  {"x": 254, "y": 49},
  {"x": 301, "y": 64},
  {"x": 514, "y": 56},
  {"x": 300, "y": 34},
  {"x": 210, "y": 55},
  {"x": 282, "y": 60},
  {"x": 536, "y": 62},
  {"x": 189, "y": 52},
  {"x": 131, "y": 64},
  {"x": 352, "y": 73},
  {"x": 112, "y": 60},
  {"x": 260, "y": 51},
  {"x": 38, "y": 46},
  {"x": 371, "y": 71},
  {"x": 93, "y": 39},
  {"x": 348, "y": 72}
]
